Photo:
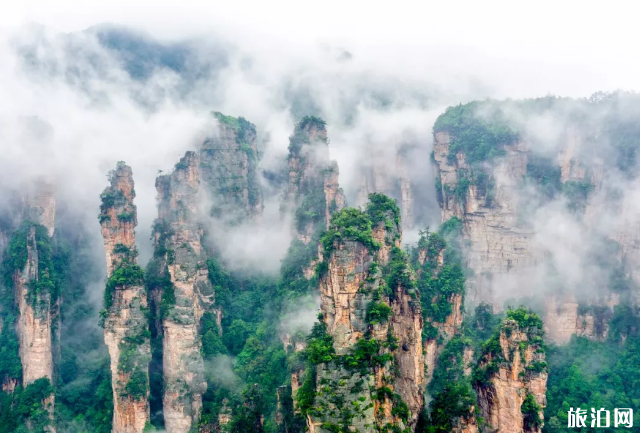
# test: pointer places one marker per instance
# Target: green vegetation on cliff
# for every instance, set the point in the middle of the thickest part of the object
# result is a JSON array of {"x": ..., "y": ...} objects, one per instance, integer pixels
[
  {"x": 24, "y": 410},
  {"x": 438, "y": 265},
  {"x": 587, "y": 373},
  {"x": 477, "y": 130}
]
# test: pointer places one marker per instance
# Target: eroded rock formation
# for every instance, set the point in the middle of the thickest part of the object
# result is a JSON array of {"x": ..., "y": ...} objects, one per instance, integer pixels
[
  {"x": 124, "y": 320},
  {"x": 498, "y": 240},
  {"x": 375, "y": 176},
  {"x": 511, "y": 377},
  {"x": 565, "y": 317},
  {"x": 228, "y": 170},
  {"x": 313, "y": 192},
  {"x": 372, "y": 317},
  {"x": 186, "y": 298}
]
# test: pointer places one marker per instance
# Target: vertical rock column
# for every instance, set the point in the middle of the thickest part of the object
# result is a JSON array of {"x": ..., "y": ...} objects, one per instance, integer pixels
[
  {"x": 229, "y": 170},
  {"x": 125, "y": 325},
  {"x": 372, "y": 316},
  {"x": 189, "y": 297},
  {"x": 35, "y": 291},
  {"x": 511, "y": 377},
  {"x": 313, "y": 195},
  {"x": 313, "y": 192}
]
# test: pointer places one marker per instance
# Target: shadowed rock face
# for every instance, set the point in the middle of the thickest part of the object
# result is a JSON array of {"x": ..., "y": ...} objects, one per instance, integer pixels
[
  {"x": 376, "y": 176},
  {"x": 506, "y": 249},
  {"x": 313, "y": 192},
  {"x": 228, "y": 170},
  {"x": 125, "y": 324},
  {"x": 375, "y": 394},
  {"x": 37, "y": 306},
  {"x": 498, "y": 242},
  {"x": 513, "y": 370},
  {"x": 191, "y": 294}
]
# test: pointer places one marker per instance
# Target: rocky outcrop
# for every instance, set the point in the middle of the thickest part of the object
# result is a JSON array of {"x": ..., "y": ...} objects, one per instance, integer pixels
[
  {"x": 228, "y": 163},
  {"x": 41, "y": 204},
  {"x": 313, "y": 192},
  {"x": 124, "y": 319},
  {"x": 428, "y": 262},
  {"x": 34, "y": 322},
  {"x": 511, "y": 377},
  {"x": 36, "y": 293},
  {"x": 186, "y": 298},
  {"x": 498, "y": 240},
  {"x": 376, "y": 176},
  {"x": 444, "y": 331},
  {"x": 565, "y": 317},
  {"x": 370, "y": 329}
]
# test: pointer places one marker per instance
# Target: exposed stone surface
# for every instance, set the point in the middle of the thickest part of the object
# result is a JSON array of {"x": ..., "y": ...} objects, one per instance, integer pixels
[
  {"x": 375, "y": 176},
  {"x": 352, "y": 278},
  {"x": 433, "y": 347},
  {"x": 125, "y": 319},
  {"x": 565, "y": 317},
  {"x": 514, "y": 376},
  {"x": 228, "y": 170},
  {"x": 313, "y": 192},
  {"x": 180, "y": 239},
  {"x": 34, "y": 324},
  {"x": 498, "y": 241}
]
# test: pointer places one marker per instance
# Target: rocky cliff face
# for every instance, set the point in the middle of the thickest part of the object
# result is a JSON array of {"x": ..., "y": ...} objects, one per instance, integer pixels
[
  {"x": 312, "y": 196},
  {"x": 41, "y": 204},
  {"x": 228, "y": 170},
  {"x": 34, "y": 323},
  {"x": 36, "y": 292},
  {"x": 313, "y": 192},
  {"x": 498, "y": 240},
  {"x": 186, "y": 298},
  {"x": 375, "y": 177},
  {"x": 124, "y": 321},
  {"x": 565, "y": 317},
  {"x": 497, "y": 200},
  {"x": 511, "y": 378},
  {"x": 372, "y": 317}
]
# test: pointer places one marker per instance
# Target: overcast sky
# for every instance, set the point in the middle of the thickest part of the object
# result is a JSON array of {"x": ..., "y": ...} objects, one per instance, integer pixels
[
  {"x": 515, "y": 49},
  {"x": 452, "y": 52}
]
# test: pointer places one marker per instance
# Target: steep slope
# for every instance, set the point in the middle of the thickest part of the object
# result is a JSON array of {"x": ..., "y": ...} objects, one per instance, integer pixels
[
  {"x": 371, "y": 319},
  {"x": 375, "y": 176},
  {"x": 440, "y": 280},
  {"x": 312, "y": 196},
  {"x": 185, "y": 293},
  {"x": 511, "y": 376},
  {"x": 124, "y": 318},
  {"x": 228, "y": 168},
  {"x": 512, "y": 184},
  {"x": 313, "y": 192}
]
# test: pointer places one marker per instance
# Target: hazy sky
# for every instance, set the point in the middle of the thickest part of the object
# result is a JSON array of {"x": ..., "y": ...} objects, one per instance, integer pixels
[
  {"x": 449, "y": 51},
  {"x": 515, "y": 49}
]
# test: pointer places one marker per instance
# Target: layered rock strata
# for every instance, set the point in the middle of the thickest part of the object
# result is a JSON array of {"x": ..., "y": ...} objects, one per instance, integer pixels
[
  {"x": 371, "y": 326},
  {"x": 124, "y": 320},
  {"x": 511, "y": 379},
  {"x": 313, "y": 192},
  {"x": 186, "y": 298},
  {"x": 228, "y": 165}
]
